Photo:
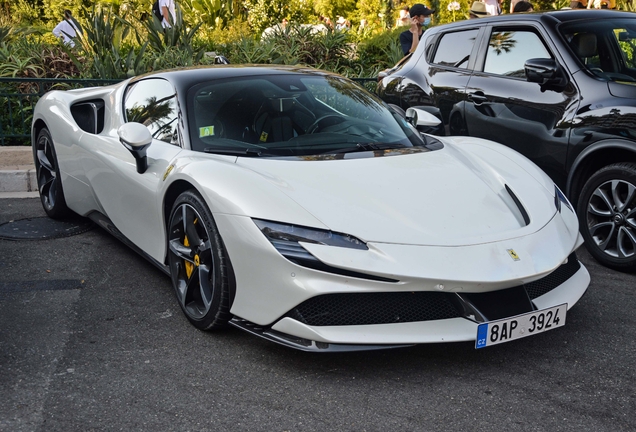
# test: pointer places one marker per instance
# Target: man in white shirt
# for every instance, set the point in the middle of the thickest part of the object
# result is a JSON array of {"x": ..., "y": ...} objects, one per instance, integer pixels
[
  {"x": 67, "y": 29},
  {"x": 493, "y": 7},
  {"x": 167, "y": 9}
]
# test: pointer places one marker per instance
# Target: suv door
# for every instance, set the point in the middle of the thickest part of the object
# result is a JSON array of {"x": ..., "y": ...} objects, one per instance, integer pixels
[
  {"x": 441, "y": 80},
  {"x": 502, "y": 106}
]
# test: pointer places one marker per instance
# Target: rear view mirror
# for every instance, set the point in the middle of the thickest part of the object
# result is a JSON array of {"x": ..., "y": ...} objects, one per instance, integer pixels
[{"x": 627, "y": 35}]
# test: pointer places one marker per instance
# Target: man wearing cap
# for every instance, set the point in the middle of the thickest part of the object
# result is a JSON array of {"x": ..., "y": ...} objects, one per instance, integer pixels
[
  {"x": 478, "y": 10},
  {"x": 420, "y": 16}
]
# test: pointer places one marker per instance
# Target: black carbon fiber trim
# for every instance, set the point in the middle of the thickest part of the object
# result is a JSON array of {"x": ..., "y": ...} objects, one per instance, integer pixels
[
  {"x": 398, "y": 307},
  {"x": 375, "y": 308},
  {"x": 548, "y": 283}
]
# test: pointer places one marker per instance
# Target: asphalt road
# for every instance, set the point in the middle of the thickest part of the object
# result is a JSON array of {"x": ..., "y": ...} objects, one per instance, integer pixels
[{"x": 92, "y": 339}]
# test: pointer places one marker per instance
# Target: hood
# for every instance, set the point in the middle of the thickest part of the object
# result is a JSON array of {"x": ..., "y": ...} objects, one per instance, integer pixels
[{"x": 447, "y": 197}]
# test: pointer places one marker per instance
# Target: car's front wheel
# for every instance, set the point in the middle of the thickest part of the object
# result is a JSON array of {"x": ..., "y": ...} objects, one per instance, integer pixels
[
  {"x": 48, "y": 176},
  {"x": 199, "y": 265},
  {"x": 607, "y": 215}
]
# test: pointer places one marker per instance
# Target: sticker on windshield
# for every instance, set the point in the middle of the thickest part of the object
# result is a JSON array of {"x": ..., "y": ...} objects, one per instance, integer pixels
[{"x": 206, "y": 131}]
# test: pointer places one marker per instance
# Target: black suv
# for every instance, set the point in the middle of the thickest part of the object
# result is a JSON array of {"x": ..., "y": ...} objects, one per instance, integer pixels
[{"x": 560, "y": 88}]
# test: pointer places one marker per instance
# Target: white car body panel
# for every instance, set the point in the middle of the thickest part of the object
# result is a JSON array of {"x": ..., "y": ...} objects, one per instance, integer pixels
[
  {"x": 388, "y": 199},
  {"x": 477, "y": 268},
  {"x": 447, "y": 330}
]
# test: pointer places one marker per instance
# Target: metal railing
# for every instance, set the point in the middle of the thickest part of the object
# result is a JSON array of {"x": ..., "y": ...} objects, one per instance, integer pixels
[{"x": 18, "y": 97}]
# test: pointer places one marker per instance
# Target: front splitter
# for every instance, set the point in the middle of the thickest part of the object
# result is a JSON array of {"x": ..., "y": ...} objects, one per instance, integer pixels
[{"x": 304, "y": 344}]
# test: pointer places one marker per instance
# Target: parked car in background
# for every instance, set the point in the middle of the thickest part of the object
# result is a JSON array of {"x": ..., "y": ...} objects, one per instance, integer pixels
[{"x": 559, "y": 87}]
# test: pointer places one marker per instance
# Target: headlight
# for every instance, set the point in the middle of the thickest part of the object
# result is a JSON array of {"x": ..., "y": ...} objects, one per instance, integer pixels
[
  {"x": 286, "y": 237},
  {"x": 559, "y": 198},
  {"x": 286, "y": 233}
]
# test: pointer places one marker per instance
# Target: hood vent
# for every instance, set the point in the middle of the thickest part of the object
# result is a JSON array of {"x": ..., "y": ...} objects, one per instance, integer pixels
[{"x": 522, "y": 210}]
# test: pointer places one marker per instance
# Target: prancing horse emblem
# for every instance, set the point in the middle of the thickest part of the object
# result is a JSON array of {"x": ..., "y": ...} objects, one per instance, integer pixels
[{"x": 513, "y": 254}]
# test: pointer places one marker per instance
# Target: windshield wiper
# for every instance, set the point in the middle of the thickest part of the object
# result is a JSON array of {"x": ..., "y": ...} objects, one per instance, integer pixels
[
  {"x": 360, "y": 147},
  {"x": 249, "y": 152}
]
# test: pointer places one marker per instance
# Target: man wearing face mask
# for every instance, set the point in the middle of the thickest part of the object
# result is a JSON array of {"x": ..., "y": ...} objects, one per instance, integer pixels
[{"x": 420, "y": 18}]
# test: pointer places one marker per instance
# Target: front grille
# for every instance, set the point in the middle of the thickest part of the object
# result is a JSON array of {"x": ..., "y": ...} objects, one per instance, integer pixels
[
  {"x": 398, "y": 307},
  {"x": 375, "y": 308},
  {"x": 548, "y": 283}
]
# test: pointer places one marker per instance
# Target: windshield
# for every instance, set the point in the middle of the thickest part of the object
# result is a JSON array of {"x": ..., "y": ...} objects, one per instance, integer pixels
[
  {"x": 604, "y": 47},
  {"x": 292, "y": 115}
]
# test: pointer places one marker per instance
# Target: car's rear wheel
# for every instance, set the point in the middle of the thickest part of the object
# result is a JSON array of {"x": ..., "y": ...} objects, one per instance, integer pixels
[
  {"x": 607, "y": 215},
  {"x": 48, "y": 177},
  {"x": 199, "y": 265}
]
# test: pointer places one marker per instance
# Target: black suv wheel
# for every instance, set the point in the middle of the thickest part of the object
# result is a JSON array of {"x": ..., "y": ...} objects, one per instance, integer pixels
[{"x": 607, "y": 215}]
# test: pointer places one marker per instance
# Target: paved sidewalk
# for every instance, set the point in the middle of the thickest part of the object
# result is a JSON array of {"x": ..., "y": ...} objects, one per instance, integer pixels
[{"x": 17, "y": 173}]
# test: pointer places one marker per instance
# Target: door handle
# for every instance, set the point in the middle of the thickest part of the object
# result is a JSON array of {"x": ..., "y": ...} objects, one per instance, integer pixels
[{"x": 477, "y": 98}]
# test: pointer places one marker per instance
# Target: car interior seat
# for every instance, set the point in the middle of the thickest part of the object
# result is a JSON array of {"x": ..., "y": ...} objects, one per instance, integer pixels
[
  {"x": 584, "y": 45},
  {"x": 273, "y": 121}
]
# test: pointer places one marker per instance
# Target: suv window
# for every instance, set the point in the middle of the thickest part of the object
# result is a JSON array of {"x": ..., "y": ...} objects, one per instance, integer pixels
[
  {"x": 454, "y": 48},
  {"x": 606, "y": 48},
  {"x": 508, "y": 51},
  {"x": 153, "y": 103}
]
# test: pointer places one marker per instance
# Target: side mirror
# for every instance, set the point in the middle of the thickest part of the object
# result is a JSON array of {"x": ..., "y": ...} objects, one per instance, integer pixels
[
  {"x": 136, "y": 138},
  {"x": 544, "y": 71},
  {"x": 419, "y": 117}
]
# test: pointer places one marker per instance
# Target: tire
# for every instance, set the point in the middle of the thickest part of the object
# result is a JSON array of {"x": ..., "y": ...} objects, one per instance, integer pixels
[
  {"x": 457, "y": 126},
  {"x": 607, "y": 215},
  {"x": 199, "y": 264},
  {"x": 48, "y": 177}
]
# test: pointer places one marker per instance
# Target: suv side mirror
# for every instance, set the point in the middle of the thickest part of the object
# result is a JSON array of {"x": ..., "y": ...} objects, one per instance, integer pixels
[
  {"x": 546, "y": 72},
  {"x": 136, "y": 138}
]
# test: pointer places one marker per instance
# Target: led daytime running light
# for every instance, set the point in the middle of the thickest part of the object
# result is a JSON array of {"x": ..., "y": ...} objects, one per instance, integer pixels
[{"x": 277, "y": 232}]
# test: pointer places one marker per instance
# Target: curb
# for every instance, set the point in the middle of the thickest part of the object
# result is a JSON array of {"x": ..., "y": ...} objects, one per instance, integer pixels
[
  {"x": 21, "y": 180},
  {"x": 17, "y": 172}
]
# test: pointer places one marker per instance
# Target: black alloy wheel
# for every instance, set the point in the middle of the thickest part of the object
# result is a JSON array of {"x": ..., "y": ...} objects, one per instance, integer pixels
[
  {"x": 607, "y": 216},
  {"x": 199, "y": 265},
  {"x": 48, "y": 177}
]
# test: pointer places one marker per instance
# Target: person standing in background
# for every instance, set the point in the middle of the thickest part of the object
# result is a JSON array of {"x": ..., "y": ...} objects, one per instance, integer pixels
[
  {"x": 67, "y": 29},
  {"x": 493, "y": 7},
  {"x": 477, "y": 10},
  {"x": 578, "y": 4},
  {"x": 168, "y": 13},
  {"x": 420, "y": 18},
  {"x": 523, "y": 6},
  {"x": 404, "y": 17}
]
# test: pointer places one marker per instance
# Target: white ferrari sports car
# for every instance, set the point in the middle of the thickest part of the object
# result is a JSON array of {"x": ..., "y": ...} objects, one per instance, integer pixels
[{"x": 292, "y": 203}]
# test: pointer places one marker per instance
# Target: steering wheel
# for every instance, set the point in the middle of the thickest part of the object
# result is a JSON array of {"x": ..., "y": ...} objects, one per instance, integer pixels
[{"x": 315, "y": 126}]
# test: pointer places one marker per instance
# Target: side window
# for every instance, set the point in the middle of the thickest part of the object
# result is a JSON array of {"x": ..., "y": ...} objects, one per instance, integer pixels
[
  {"x": 153, "y": 103},
  {"x": 454, "y": 48},
  {"x": 627, "y": 44},
  {"x": 508, "y": 51}
]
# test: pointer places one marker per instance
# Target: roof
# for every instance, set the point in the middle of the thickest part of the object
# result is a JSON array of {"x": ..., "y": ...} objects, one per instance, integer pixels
[{"x": 193, "y": 75}]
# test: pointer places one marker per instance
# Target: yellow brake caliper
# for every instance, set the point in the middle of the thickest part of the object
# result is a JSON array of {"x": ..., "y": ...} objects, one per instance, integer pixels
[{"x": 189, "y": 267}]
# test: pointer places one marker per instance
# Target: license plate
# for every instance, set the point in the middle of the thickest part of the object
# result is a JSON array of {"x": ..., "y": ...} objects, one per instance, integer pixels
[{"x": 508, "y": 329}]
